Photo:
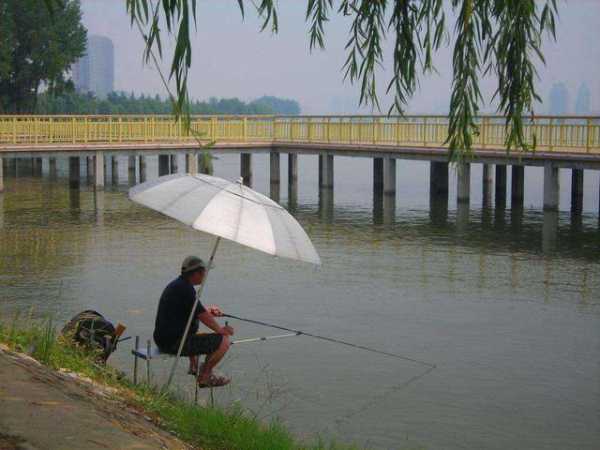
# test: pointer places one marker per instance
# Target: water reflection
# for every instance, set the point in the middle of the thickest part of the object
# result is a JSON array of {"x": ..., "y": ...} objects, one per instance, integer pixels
[{"x": 550, "y": 232}]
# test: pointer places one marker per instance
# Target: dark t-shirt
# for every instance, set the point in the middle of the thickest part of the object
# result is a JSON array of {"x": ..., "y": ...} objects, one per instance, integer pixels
[{"x": 174, "y": 307}]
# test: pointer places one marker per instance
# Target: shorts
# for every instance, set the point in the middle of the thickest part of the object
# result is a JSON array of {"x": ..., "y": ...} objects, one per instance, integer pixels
[{"x": 197, "y": 344}]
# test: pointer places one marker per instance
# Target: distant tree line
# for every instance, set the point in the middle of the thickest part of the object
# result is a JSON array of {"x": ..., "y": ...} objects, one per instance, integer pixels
[{"x": 71, "y": 102}]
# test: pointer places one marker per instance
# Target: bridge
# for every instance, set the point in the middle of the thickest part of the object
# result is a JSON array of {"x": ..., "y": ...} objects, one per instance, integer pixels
[{"x": 567, "y": 142}]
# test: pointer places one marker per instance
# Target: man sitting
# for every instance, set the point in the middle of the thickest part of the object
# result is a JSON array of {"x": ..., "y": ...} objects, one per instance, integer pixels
[{"x": 174, "y": 308}]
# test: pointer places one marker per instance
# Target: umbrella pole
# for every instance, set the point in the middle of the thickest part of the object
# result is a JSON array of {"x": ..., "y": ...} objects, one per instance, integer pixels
[{"x": 192, "y": 313}]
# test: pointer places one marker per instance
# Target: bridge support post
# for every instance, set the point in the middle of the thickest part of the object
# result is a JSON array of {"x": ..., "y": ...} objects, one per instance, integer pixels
[
  {"x": 1, "y": 174},
  {"x": 52, "y": 172},
  {"x": 577, "y": 191},
  {"x": 292, "y": 180},
  {"x": 487, "y": 181},
  {"x": 551, "y": 187},
  {"x": 45, "y": 165},
  {"x": 389, "y": 176},
  {"x": 173, "y": 164},
  {"x": 99, "y": 170},
  {"x": 438, "y": 179},
  {"x": 114, "y": 169},
  {"x": 463, "y": 193},
  {"x": 142, "y": 168},
  {"x": 275, "y": 175},
  {"x": 89, "y": 168},
  {"x": 191, "y": 163},
  {"x": 326, "y": 171},
  {"x": 74, "y": 172},
  {"x": 246, "y": 168},
  {"x": 500, "y": 186},
  {"x": 131, "y": 169},
  {"x": 377, "y": 176},
  {"x": 517, "y": 187},
  {"x": 163, "y": 165}
]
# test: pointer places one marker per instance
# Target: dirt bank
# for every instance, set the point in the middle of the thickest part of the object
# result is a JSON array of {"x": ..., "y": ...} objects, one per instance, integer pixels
[{"x": 41, "y": 409}]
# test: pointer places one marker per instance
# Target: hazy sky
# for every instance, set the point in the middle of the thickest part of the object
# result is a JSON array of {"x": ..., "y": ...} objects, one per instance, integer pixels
[{"x": 232, "y": 59}]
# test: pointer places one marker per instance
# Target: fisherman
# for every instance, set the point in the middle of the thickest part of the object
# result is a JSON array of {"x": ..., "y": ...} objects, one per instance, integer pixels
[{"x": 174, "y": 308}]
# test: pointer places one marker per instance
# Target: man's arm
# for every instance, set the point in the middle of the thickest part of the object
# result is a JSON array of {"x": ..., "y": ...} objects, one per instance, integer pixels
[{"x": 208, "y": 319}]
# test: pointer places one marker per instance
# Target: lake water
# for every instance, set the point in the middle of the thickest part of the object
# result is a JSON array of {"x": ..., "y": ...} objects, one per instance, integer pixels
[{"x": 510, "y": 317}]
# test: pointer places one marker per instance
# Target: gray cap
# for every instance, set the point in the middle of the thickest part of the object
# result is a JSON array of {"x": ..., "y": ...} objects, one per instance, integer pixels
[{"x": 192, "y": 263}]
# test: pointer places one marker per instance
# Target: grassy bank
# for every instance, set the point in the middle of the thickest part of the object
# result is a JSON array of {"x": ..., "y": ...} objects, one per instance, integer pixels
[{"x": 208, "y": 428}]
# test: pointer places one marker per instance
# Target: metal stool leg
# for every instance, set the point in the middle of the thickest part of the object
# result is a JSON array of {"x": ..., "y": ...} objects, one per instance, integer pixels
[
  {"x": 135, "y": 360},
  {"x": 148, "y": 348},
  {"x": 196, "y": 382}
]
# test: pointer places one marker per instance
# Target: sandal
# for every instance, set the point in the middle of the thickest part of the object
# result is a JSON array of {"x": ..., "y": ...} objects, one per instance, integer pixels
[{"x": 215, "y": 381}]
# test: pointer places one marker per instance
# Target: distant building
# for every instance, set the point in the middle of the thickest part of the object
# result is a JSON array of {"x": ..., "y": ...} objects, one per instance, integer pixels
[
  {"x": 583, "y": 101},
  {"x": 559, "y": 99},
  {"x": 95, "y": 71}
]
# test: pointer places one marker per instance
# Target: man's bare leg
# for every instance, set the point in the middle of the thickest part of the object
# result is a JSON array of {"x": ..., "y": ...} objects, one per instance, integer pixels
[
  {"x": 213, "y": 359},
  {"x": 194, "y": 363}
]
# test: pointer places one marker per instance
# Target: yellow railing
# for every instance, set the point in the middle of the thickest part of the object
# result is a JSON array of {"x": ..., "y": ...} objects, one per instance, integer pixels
[{"x": 560, "y": 134}]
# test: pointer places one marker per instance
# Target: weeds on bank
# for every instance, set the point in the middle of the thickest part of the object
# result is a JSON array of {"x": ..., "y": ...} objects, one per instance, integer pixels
[{"x": 209, "y": 428}]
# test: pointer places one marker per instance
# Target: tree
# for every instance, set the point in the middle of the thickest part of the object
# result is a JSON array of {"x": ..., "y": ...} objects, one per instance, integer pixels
[
  {"x": 37, "y": 46},
  {"x": 500, "y": 37}
]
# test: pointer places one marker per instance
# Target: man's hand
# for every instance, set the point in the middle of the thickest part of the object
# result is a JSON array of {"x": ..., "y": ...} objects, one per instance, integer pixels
[
  {"x": 226, "y": 330},
  {"x": 215, "y": 310}
]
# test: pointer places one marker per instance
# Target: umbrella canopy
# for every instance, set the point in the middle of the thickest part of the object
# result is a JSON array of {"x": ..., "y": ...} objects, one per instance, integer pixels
[{"x": 228, "y": 210}]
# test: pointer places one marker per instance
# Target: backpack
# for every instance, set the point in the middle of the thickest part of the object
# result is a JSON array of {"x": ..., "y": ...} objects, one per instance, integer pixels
[{"x": 93, "y": 331}]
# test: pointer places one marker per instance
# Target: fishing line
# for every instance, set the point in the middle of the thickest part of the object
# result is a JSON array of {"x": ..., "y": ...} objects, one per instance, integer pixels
[{"x": 336, "y": 341}]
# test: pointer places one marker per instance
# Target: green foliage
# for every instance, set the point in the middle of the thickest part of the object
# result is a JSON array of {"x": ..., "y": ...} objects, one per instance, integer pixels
[
  {"x": 38, "y": 44},
  {"x": 502, "y": 37},
  {"x": 207, "y": 428},
  {"x": 69, "y": 102}
]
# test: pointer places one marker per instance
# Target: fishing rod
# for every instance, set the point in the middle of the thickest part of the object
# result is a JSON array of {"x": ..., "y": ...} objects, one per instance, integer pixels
[{"x": 330, "y": 339}]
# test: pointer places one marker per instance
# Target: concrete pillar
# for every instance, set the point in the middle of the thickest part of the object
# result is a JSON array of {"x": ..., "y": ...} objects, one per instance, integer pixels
[
  {"x": 191, "y": 163},
  {"x": 114, "y": 169},
  {"x": 45, "y": 165},
  {"x": 463, "y": 182},
  {"x": 517, "y": 187},
  {"x": 246, "y": 168},
  {"x": 99, "y": 169},
  {"x": 163, "y": 165},
  {"x": 377, "y": 176},
  {"x": 438, "y": 178},
  {"x": 131, "y": 170},
  {"x": 274, "y": 166},
  {"x": 326, "y": 171},
  {"x": 500, "y": 186},
  {"x": 173, "y": 164},
  {"x": 74, "y": 172},
  {"x": 142, "y": 168},
  {"x": 1, "y": 174},
  {"x": 577, "y": 191},
  {"x": 486, "y": 182},
  {"x": 292, "y": 181},
  {"x": 89, "y": 168},
  {"x": 389, "y": 176},
  {"x": 275, "y": 175},
  {"x": 52, "y": 172},
  {"x": 551, "y": 187}
]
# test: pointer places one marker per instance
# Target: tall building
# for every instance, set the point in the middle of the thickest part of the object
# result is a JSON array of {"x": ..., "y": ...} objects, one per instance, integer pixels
[
  {"x": 583, "y": 101},
  {"x": 559, "y": 99},
  {"x": 95, "y": 71}
]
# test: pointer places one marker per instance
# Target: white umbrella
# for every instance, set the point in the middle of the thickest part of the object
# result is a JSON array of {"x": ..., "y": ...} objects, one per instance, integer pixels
[{"x": 227, "y": 210}]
